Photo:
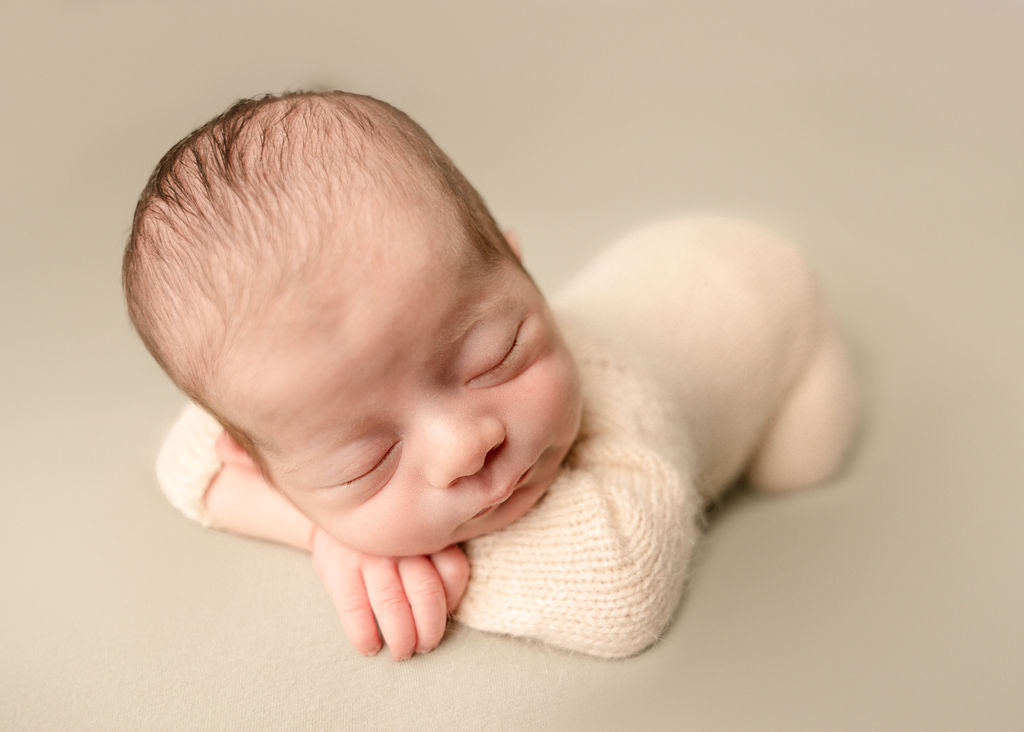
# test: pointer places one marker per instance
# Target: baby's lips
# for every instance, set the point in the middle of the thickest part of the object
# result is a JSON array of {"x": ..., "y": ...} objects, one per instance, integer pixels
[{"x": 508, "y": 493}]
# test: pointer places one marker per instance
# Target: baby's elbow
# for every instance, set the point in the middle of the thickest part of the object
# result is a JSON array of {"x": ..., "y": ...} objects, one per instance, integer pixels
[{"x": 634, "y": 616}]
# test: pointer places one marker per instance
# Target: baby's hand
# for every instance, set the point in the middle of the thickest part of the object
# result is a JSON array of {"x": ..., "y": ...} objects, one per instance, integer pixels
[{"x": 410, "y": 597}]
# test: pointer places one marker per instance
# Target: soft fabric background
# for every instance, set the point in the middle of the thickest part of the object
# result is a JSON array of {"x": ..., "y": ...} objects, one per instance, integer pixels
[{"x": 884, "y": 136}]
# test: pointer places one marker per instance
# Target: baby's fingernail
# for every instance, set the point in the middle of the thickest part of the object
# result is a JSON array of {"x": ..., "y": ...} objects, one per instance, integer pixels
[{"x": 372, "y": 652}]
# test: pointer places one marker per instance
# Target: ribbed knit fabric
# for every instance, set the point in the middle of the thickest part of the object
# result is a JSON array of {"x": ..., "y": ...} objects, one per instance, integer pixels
[{"x": 598, "y": 565}]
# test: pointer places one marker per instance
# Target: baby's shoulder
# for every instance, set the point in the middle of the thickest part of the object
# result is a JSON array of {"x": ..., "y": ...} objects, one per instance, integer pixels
[{"x": 625, "y": 406}]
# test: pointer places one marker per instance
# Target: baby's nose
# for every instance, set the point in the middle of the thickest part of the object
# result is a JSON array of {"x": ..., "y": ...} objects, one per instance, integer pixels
[{"x": 464, "y": 447}]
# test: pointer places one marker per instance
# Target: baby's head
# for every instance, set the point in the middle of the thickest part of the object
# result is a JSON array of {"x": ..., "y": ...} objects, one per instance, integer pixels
[{"x": 315, "y": 272}]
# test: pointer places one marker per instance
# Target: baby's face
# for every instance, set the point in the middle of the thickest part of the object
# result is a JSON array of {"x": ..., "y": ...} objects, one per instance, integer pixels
[{"x": 425, "y": 399}]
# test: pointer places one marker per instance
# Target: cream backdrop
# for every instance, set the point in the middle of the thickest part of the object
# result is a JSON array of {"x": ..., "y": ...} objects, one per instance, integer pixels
[{"x": 886, "y": 137}]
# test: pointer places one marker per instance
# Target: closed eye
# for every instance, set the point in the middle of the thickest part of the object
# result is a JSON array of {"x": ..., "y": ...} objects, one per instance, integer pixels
[
  {"x": 385, "y": 460},
  {"x": 508, "y": 362},
  {"x": 509, "y": 354}
]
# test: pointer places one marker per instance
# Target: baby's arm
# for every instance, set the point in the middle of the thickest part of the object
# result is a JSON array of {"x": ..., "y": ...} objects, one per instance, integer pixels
[
  {"x": 599, "y": 564},
  {"x": 206, "y": 475},
  {"x": 240, "y": 501}
]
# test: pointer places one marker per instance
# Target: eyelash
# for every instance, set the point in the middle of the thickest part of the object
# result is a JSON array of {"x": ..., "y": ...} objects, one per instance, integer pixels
[
  {"x": 508, "y": 361},
  {"x": 507, "y": 358},
  {"x": 374, "y": 469}
]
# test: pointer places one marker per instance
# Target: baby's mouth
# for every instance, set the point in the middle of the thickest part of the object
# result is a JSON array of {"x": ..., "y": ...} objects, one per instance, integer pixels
[
  {"x": 515, "y": 487},
  {"x": 487, "y": 510}
]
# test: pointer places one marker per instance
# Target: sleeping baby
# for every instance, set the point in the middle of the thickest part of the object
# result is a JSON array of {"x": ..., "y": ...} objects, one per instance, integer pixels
[{"x": 375, "y": 378}]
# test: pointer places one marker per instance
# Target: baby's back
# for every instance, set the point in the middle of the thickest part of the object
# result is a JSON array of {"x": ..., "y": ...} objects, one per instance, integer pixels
[{"x": 728, "y": 318}]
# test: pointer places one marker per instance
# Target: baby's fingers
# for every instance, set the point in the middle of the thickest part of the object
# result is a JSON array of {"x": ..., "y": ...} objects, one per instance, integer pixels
[
  {"x": 348, "y": 593},
  {"x": 453, "y": 567},
  {"x": 390, "y": 605},
  {"x": 426, "y": 596}
]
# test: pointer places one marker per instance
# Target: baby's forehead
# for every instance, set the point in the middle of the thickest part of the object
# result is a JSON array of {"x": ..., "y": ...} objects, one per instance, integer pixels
[
  {"x": 390, "y": 258},
  {"x": 391, "y": 239},
  {"x": 402, "y": 314}
]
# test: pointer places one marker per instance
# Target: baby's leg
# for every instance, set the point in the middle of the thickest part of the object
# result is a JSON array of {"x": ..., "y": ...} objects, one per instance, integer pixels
[
  {"x": 811, "y": 432},
  {"x": 729, "y": 318}
]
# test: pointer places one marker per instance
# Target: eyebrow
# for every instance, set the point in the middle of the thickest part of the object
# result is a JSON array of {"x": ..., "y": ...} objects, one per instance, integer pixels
[{"x": 467, "y": 320}]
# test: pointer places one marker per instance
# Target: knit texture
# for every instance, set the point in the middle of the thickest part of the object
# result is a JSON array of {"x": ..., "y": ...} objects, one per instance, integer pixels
[
  {"x": 187, "y": 462},
  {"x": 598, "y": 565}
]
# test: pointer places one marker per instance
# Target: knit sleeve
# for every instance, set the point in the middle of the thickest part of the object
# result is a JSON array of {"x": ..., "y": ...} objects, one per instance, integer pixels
[
  {"x": 598, "y": 566},
  {"x": 187, "y": 462}
]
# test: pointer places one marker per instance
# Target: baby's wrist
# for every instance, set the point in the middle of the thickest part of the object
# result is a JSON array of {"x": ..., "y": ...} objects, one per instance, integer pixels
[{"x": 313, "y": 528}]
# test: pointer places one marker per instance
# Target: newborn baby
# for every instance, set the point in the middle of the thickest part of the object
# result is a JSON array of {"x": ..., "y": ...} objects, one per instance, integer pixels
[{"x": 380, "y": 382}]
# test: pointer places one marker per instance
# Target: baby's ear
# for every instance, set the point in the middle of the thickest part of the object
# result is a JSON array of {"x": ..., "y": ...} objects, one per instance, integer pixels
[
  {"x": 513, "y": 243},
  {"x": 231, "y": 453}
]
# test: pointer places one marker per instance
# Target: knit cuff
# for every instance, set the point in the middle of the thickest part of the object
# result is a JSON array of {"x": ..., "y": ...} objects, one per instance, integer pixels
[{"x": 187, "y": 462}]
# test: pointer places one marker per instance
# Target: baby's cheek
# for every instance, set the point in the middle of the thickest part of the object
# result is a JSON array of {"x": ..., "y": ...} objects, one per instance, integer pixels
[{"x": 558, "y": 393}]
